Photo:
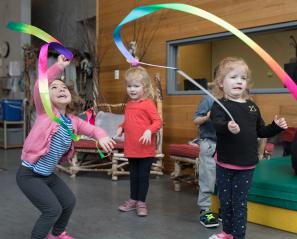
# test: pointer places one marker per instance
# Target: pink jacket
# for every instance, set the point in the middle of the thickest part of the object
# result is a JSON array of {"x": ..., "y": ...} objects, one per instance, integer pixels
[{"x": 38, "y": 141}]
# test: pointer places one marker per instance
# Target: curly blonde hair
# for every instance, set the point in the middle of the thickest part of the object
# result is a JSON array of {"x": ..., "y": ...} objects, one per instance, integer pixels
[
  {"x": 140, "y": 74},
  {"x": 224, "y": 67}
]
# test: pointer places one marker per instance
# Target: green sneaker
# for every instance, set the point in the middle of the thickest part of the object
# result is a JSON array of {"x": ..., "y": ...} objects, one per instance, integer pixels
[{"x": 209, "y": 219}]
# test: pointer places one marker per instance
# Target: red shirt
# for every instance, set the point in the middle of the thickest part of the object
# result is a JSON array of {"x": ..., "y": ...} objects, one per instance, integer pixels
[{"x": 140, "y": 116}]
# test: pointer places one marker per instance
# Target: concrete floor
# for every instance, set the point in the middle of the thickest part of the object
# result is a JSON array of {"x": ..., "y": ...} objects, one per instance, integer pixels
[{"x": 172, "y": 214}]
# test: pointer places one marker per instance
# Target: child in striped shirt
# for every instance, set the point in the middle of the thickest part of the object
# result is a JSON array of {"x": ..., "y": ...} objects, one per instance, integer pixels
[{"x": 46, "y": 145}]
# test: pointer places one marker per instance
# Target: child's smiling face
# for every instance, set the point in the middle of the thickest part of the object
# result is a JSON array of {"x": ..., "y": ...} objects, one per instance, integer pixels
[
  {"x": 135, "y": 89},
  {"x": 59, "y": 95}
]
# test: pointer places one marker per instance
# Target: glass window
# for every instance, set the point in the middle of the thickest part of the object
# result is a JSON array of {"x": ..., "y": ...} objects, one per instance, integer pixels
[{"x": 198, "y": 57}]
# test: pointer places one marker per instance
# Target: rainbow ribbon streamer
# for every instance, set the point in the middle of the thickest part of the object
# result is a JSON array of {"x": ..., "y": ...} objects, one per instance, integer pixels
[
  {"x": 43, "y": 83},
  {"x": 42, "y": 70},
  {"x": 42, "y": 67},
  {"x": 145, "y": 10}
]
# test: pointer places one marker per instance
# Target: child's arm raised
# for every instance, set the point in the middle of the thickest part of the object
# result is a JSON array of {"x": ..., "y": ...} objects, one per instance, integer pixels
[
  {"x": 267, "y": 131},
  {"x": 280, "y": 122},
  {"x": 53, "y": 73}
]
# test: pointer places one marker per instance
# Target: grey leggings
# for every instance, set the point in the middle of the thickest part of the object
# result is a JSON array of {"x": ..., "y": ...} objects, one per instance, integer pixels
[{"x": 51, "y": 196}]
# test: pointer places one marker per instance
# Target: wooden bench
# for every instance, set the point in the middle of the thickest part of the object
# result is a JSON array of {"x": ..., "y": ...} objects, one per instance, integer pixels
[{"x": 186, "y": 161}]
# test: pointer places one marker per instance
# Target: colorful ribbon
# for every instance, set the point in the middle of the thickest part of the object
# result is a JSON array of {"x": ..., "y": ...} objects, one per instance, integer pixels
[
  {"x": 42, "y": 67},
  {"x": 145, "y": 10},
  {"x": 43, "y": 85},
  {"x": 42, "y": 70}
]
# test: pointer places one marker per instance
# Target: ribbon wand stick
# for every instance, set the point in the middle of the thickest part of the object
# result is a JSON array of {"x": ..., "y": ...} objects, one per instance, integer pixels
[{"x": 205, "y": 91}]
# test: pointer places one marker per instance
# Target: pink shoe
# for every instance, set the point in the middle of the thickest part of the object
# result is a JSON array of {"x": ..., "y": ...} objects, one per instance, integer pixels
[
  {"x": 222, "y": 235},
  {"x": 141, "y": 209},
  {"x": 63, "y": 235},
  {"x": 129, "y": 205}
]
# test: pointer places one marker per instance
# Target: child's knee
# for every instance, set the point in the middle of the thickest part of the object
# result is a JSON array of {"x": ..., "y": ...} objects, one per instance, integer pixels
[
  {"x": 71, "y": 202},
  {"x": 53, "y": 212}
]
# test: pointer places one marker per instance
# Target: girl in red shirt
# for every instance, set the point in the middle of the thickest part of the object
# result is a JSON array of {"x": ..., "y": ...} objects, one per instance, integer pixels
[{"x": 140, "y": 126}]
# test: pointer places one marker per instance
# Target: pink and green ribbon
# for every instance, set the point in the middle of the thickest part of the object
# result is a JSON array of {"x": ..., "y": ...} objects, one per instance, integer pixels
[
  {"x": 42, "y": 70},
  {"x": 43, "y": 66},
  {"x": 141, "y": 11},
  {"x": 43, "y": 84}
]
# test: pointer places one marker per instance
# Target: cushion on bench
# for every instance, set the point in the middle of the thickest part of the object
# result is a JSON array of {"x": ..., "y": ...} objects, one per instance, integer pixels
[
  {"x": 288, "y": 135},
  {"x": 91, "y": 144},
  {"x": 183, "y": 150}
]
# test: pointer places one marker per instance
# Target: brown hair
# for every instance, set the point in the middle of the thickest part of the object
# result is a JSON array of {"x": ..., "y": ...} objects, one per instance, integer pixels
[
  {"x": 225, "y": 66},
  {"x": 140, "y": 74},
  {"x": 74, "y": 107}
]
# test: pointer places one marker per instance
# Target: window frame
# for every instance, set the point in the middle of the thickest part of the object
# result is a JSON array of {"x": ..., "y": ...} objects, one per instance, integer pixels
[{"x": 171, "y": 48}]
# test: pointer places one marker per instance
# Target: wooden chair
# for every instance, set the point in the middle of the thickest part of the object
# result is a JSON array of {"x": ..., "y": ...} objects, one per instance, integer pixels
[
  {"x": 120, "y": 163},
  {"x": 186, "y": 161},
  {"x": 265, "y": 149},
  {"x": 117, "y": 164},
  {"x": 79, "y": 163}
]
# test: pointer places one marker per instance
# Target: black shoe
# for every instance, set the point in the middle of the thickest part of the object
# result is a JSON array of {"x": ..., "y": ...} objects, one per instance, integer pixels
[
  {"x": 220, "y": 215},
  {"x": 209, "y": 219}
]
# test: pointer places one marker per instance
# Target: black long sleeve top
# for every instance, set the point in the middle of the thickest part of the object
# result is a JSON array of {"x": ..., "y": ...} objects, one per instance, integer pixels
[{"x": 240, "y": 149}]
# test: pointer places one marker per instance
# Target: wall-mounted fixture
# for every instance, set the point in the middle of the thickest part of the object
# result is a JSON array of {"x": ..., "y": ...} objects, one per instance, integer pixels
[{"x": 116, "y": 74}]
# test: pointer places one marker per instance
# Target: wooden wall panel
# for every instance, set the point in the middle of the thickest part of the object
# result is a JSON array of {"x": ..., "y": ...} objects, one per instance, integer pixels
[{"x": 178, "y": 110}]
